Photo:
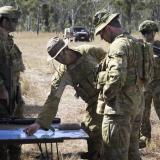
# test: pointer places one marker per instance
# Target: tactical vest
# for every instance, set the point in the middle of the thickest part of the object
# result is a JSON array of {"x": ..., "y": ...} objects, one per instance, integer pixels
[
  {"x": 156, "y": 60},
  {"x": 83, "y": 79},
  {"x": 149, "y": 63}
]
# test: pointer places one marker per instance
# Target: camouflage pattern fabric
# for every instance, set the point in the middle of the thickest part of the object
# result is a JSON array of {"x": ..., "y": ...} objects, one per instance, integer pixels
[
  {"x": 102, "y": 18},
  {"x": 152, "y": 93},
  {"x": 123, "y": 97},
  {"x": 148, "y": 26},
  {"x": 10, "y": 57},
  {"x": 92, "y": 125},
  {"x": 81, "y": 76},
  {"x": 118, "y": 132}
]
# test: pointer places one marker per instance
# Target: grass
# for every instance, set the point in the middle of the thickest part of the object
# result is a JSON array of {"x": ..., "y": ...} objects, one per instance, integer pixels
[{"x": 36, "y": 82}]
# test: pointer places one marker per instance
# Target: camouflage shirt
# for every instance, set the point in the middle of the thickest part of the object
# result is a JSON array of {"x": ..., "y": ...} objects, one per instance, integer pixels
[
  {"x": 122, "y": 89},
  {"x": 11, "y": 64},
  {"x": 10, "y": 57},
  {"x": 79, "y": 75}
]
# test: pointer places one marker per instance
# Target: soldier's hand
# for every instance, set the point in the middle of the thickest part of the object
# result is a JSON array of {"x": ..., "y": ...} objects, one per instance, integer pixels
[
  {"x": 4, "y": 94},
  {"x": 30, "y": 130}
]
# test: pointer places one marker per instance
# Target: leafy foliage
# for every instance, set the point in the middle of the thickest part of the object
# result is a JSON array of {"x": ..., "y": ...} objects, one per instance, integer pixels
[{"x": 55, "y": 15}]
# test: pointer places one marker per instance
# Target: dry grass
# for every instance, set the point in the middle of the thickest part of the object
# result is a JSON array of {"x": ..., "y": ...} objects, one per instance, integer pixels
[{"x": 36, "y": 85}]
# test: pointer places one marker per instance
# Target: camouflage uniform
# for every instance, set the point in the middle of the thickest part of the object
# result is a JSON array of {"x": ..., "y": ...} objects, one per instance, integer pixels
[
  {"x": 152, "y": 91},
  {"x": 11, "y": 65},
  {"x": 123, "y": 102},
  {"x": 120, "y": 100},
  {"x": 81, "y": 76}
]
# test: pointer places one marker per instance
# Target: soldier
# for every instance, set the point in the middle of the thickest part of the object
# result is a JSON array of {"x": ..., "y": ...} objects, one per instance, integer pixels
[
  {"x": 120, "y": 80},
  {"x": 148, "y": 30},
  {"x": 76, "y": 69},
  {"x": 11, "y": 65}
]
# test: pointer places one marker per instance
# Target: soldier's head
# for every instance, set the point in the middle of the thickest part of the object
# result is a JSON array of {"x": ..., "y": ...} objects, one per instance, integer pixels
[
  {"x": 58, "y": 49},
  {"x": 107, "y": 25},
  {"x": 9, "y": 18},
  {"x": 148, "y": 29}
]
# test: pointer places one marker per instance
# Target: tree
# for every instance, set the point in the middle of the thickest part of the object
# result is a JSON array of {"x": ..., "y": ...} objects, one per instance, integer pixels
[{"x": 55, "y": 15}]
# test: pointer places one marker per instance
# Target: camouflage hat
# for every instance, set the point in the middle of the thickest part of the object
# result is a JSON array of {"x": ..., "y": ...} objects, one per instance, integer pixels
[
  {"x": 148, "y": 26},
  {"x": 9, "y": 12},
  {"x": 55, "y": 45},
  {"x": 102, "y": 18}
]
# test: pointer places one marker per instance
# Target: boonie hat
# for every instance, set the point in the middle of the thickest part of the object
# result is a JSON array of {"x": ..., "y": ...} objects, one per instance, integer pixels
[
  {"x": 148, "y": 26},
  {"x": 9, "y": 12},
  {"x": 55, "y": 45},
  {"x": 102, "y": 18}
]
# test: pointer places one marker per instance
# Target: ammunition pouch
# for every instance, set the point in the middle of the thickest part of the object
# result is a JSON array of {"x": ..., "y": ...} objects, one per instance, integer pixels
[
  {"x": 145, "y": 65},
  {"x": 89, "y": 99}
]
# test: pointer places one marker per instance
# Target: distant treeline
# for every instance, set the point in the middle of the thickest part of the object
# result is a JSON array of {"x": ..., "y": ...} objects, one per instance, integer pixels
[{"x": 55, "y": 15}]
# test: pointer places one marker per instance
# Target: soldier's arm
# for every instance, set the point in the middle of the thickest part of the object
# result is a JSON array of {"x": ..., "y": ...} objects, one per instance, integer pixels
[
  {"x": 3, "y": 91},
  {"x": 98, "y": 53},
  {"x": 60, "y": 80},
  {"x": 20, "y": 60},
  {"x": 4, "y": 95},
  {"x": 50, "y": 108},
  {"x": 1, "y": 63},
  {"x": 116, "y": 71}
]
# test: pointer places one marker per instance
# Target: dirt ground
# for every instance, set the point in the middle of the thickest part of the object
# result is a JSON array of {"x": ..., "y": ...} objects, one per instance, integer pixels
[{"x": 36, "y": 82}]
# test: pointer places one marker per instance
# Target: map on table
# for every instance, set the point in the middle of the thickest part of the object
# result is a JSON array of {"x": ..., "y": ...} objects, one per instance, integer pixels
[{"x": 19, "y": 136}]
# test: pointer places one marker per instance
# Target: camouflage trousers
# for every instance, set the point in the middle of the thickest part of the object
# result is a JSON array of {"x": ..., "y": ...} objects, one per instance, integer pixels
[
  {"x": 9, "y": 152},
  {"x": 151, "y": 94},
  {"x": 92, "y": 125},
  {"x": 121, "y": 137}
]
